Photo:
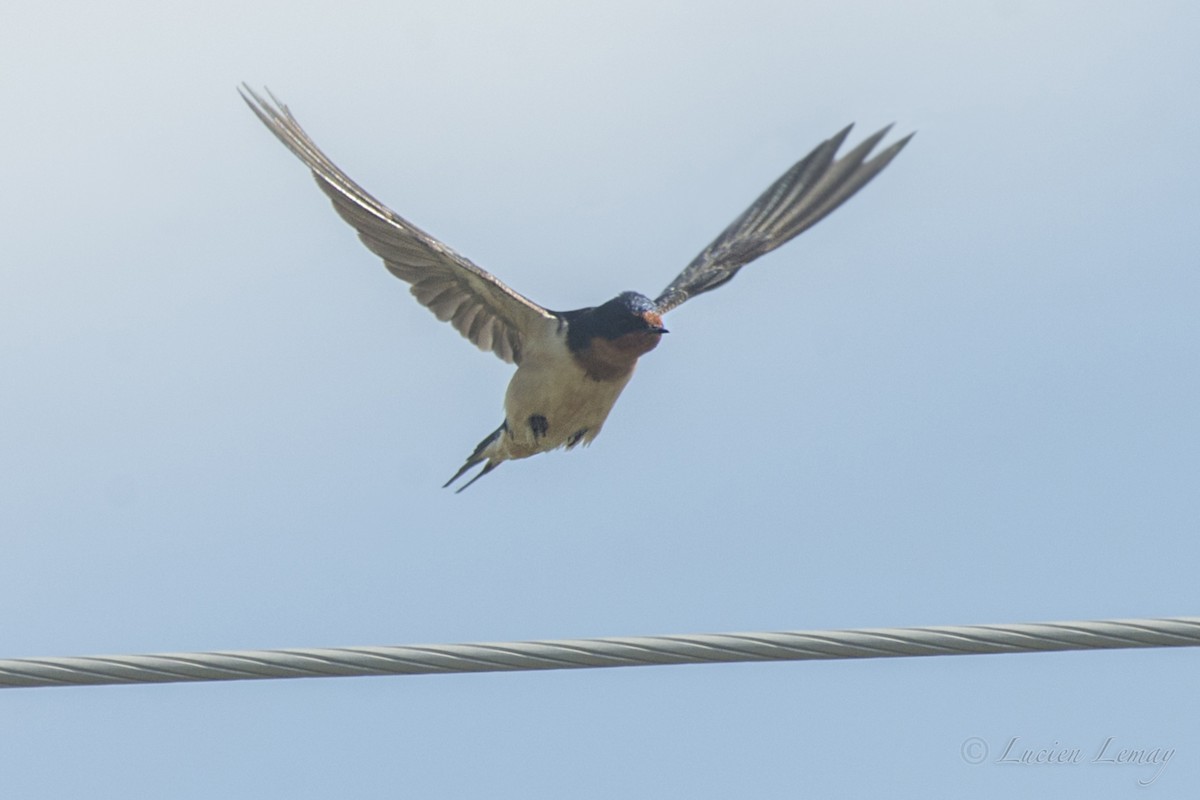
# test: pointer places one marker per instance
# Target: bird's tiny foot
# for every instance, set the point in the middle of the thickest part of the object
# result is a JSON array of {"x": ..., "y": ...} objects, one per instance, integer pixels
[
  {"x": 574, "y": 438},
  {"x": 539, "y": 425}
]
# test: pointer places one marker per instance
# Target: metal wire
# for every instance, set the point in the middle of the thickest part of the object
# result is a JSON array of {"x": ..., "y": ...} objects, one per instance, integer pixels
[{"x": 607, "y": 652}]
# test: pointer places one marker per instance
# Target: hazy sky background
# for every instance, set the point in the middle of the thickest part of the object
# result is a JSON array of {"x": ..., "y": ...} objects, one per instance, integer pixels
[{"x": 969, "y": 396}]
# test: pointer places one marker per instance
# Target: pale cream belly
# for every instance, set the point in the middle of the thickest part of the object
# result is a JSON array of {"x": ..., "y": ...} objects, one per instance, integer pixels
[{"x": 552, "y": 403}]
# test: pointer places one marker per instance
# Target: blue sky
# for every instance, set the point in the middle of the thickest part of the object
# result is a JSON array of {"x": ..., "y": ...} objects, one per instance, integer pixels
[{"x": 968, "y": 396}]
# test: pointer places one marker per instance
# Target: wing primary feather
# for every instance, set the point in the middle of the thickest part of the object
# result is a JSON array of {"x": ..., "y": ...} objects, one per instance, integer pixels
[
  {"x": 827, "y": 184},
  {"x": 804, "y": 195},
  {"x": 407, "y": 251},
  {"x": 807, "y": 182}
]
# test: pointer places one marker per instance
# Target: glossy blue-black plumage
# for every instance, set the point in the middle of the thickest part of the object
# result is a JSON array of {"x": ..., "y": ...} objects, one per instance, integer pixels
[{"x": 628, "y": 312}]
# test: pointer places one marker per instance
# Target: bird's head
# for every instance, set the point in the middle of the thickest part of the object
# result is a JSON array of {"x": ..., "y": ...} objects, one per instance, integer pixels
[
  {"x": 615, "y": 333},
  {"x": 628, "y": 313}
]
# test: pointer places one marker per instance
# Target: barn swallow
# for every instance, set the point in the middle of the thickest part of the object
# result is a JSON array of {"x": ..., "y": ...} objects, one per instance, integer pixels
[{"x": 571, "y": 365}]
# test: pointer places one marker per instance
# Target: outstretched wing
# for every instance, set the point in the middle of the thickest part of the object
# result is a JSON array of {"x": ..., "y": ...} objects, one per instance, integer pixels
[
  {"x": 801, "y": 198},
  {"x": 478, "y": 304}
]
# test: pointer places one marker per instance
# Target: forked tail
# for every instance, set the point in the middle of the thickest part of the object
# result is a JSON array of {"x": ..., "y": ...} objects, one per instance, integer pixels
[{"x": 476, "y": 457}]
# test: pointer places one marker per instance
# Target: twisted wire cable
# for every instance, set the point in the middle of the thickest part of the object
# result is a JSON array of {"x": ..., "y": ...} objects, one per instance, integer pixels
[{"x": 631, "y": 651}]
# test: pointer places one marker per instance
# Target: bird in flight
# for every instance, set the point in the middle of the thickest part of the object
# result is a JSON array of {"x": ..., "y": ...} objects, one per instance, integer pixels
[{"x": 571, "y": 365}]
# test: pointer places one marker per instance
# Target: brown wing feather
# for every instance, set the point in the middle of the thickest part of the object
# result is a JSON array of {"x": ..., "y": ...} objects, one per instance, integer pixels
[
  {"x": 478, "y": 304},
  {"x": 801, "y": 198}
]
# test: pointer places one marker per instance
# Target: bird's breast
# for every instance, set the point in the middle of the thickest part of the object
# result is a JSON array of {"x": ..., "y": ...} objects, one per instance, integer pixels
[
  {"x": 555, "y": 401},
  {"x": 614, "y": 359}
]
